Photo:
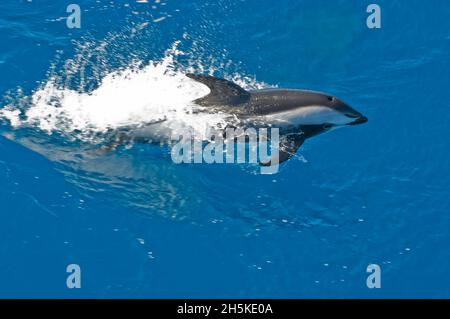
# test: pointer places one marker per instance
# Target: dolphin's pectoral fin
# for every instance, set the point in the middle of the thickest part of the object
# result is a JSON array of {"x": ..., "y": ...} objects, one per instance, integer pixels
[
  {"x": 223, "y": 92},
  {"x": 289, "y": 144}
]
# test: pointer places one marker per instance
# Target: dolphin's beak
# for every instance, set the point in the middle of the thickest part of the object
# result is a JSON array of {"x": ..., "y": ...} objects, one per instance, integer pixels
[{"x": 360, "y": 120}]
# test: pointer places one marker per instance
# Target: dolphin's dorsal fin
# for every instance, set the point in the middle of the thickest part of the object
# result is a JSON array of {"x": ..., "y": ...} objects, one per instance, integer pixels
[
  {"x": 223, "y": 92},
  {"x": 289, "y": 144}
]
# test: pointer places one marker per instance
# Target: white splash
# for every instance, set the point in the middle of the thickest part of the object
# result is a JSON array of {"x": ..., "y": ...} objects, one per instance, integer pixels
[{"x": 135, "y": 96}]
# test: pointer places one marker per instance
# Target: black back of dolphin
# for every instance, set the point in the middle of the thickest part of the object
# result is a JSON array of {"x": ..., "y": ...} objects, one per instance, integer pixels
[{"x": 267, "y": 101}]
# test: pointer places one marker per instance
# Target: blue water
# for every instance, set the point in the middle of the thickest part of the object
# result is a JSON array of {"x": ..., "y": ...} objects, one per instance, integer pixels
[{"x": 140, "y": 226}]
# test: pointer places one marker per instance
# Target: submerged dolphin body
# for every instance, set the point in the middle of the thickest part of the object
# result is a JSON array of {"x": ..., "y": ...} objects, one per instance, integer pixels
[{"x": 299, "y": 114}]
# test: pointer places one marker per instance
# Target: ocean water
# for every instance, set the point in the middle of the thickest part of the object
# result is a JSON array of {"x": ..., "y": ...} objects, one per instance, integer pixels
[{"x": 140, "y": 226}]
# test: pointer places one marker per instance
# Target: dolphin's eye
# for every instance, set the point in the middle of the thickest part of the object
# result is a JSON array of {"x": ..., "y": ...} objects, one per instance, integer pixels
[
  {"x": 330, "y": 98},
  {"x": 327, "y": 126}
]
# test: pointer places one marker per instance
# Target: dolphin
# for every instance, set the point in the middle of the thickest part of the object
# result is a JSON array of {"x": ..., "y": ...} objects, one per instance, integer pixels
[{"x": 298, "y": 114}]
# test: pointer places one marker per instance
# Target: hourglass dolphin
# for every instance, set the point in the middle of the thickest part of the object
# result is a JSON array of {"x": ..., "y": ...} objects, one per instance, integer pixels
[{"x": 299, "y": 114}]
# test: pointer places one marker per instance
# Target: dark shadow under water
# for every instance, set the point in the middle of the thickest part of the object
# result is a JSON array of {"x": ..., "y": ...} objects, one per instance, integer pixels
[{"x": 142, "y": 178}]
